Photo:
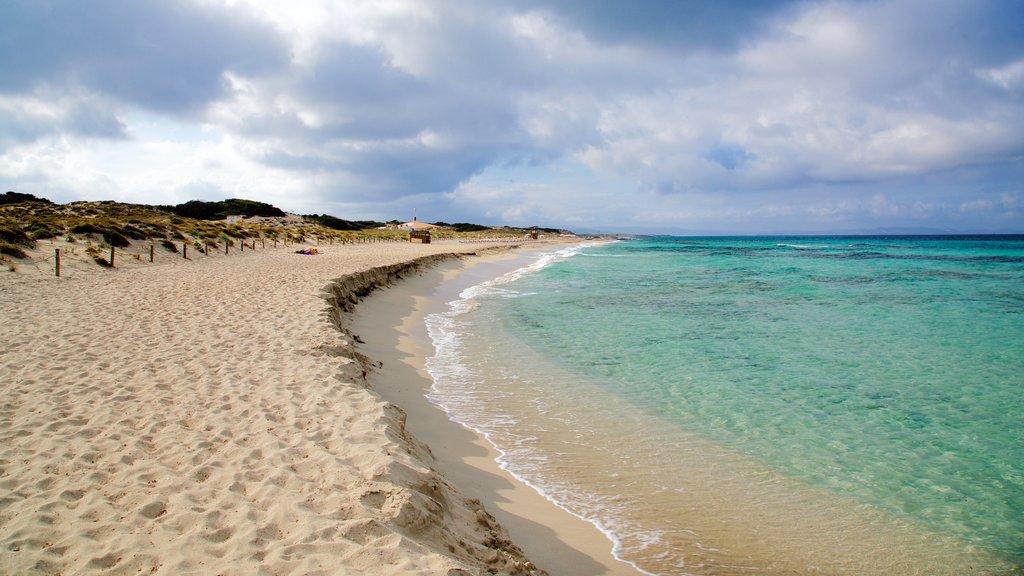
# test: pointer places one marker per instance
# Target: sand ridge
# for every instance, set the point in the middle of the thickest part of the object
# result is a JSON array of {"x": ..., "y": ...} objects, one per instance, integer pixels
[{"x": 207, "y": 416}]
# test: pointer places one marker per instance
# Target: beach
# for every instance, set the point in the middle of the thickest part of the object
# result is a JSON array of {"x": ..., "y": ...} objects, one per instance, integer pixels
[
  {"x": 212, "y": 415},
  {"x": 392, "y": 324}
]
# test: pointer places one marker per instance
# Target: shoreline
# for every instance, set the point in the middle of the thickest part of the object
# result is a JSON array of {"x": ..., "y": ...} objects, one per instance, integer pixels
[
  {"x": 391, "y": 324},
  {"x": 196, "y": 416}
]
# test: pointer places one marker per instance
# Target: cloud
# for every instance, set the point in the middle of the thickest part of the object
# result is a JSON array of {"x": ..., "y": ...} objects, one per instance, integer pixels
[
  {"x": 28, "y": 118},
  {"x": 726, "y": 115},
  {"x": 163, "y": 56},
  {"x": 719, "y": 26}
]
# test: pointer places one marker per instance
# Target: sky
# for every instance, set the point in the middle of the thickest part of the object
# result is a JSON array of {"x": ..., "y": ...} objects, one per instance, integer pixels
[{"x": 658, "y": 116}]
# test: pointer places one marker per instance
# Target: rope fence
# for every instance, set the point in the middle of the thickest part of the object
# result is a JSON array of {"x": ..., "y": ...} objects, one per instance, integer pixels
[{"x": 207, "y": 247}]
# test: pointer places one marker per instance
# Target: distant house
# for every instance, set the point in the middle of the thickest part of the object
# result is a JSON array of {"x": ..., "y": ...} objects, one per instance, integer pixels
[{"x": 416, "y": 225}]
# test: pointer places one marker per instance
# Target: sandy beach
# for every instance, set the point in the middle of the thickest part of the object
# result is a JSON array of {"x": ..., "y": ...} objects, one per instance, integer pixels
[
  {"x": 210, "y": 416},
  {"x": 392, "y": 324}
]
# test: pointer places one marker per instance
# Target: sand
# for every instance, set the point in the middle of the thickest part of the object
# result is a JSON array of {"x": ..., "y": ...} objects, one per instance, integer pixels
[
  {"x": 207, "y": 416},
  {"x": 392, "y": 324}
]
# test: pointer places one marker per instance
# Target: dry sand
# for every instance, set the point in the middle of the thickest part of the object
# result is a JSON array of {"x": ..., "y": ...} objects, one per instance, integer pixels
[{"x": 207, "y": 416}]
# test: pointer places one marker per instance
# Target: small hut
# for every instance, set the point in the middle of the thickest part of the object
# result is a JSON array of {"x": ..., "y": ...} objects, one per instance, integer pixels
[{"x": 418, "y": 230}]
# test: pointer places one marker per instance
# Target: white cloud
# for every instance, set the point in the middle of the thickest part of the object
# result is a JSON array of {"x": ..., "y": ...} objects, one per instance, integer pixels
[
  {"x": 781, "y": 114},
  {"x": 1009, "y": 77}
]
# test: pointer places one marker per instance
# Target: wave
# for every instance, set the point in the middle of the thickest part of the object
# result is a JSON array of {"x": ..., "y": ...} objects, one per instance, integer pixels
[
  {"x": 493, "y": 286},
  {"x": 454, "y": 387}
]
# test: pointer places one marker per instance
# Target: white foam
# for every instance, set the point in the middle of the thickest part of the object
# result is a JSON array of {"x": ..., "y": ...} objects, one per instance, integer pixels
[{"x": 453, "y": 391}]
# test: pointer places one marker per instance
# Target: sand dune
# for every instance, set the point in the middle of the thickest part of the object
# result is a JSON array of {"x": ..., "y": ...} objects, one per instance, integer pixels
[{"x": 207, "y": 416}]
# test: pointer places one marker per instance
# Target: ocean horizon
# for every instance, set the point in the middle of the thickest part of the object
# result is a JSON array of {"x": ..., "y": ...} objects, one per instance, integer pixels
[{"x": 759, "y": 405}]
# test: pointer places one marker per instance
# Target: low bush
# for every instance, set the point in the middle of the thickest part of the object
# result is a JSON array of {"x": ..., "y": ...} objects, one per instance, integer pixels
[
  {"x": 12, "y": 250},
  {"x": 115, "y": 239},
  {"x": 13, "y": 234},
  {"x": 87, "y": 228},
  {"x": 38, "y": 230}
]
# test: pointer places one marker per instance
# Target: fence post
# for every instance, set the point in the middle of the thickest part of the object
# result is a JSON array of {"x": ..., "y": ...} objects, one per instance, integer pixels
[
  {"x": 111, "y": 256},
  {"x": 184, "y": 250},
  {"x": 151, "y": 246},
  {"x": 56, "y": 261}
]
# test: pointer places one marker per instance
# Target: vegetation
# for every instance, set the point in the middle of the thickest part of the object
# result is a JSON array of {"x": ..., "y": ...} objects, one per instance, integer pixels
[
  {"x": 16, "y": 197},
  {"x": 11, "y": 233},
  {"x": 11, "y": 250},
  {"x": 339, "y": 224},
  {"x": 467, "y": 227},
  {"x": 26, "y": 219},
  {"x": 201, "y": 210}
]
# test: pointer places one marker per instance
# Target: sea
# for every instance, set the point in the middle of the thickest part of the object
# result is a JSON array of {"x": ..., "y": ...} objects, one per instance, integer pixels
[{"x": 759, "y": 405}]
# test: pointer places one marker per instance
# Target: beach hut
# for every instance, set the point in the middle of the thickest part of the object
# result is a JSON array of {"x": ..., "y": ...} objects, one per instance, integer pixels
[
  {"x": 421, "y": 235},
  {"x": 418, "y": 230}
]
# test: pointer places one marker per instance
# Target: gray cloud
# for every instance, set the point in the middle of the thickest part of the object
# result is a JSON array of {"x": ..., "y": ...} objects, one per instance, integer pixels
[
  {"x": 727, "y": 114},
  {"x": 722, "y": 25},
  {"x": 164, "y": 56}
]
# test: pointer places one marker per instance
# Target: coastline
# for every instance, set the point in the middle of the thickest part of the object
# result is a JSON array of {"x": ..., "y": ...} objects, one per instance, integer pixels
[
  {"x": 390, "y": 323},
  {"x": 206, "y": 416}
]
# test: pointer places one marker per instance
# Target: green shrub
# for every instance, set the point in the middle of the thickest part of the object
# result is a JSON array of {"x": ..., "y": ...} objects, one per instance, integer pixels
[
  {"x": 87, "y": 228},
  {"x": 12, "y": 250},
  {"x": 135, "y": 232},
  {"x": 115, "y": 239},
  {"x": 38, "y": 230},
  {"x": 15, "y": 197},
  {"x": 13, "y": 234},
  {"x": 201, "y": 210}
]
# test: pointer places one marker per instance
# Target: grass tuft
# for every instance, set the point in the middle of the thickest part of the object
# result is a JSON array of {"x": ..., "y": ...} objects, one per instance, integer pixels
[{"x": 12, "y": 250}]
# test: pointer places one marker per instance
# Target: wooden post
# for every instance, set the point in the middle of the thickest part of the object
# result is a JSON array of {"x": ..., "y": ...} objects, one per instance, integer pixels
[
  {"x": 56, "y": 261},
  {"x": 111, "y": 256},
  {"x": 151, "y": 248},
  {"x": 254, "y": 245},
  {"x": 226, "y": 244},
  {"x": 243, "y": 245},
  {"x": 184, "y": 250},
  {"x": 275, "y": 242},
  {"x": 263, "y": 242}
]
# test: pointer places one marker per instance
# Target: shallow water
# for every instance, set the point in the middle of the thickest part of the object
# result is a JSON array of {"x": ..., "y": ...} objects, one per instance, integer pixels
[{"x": 760, "y": 405}]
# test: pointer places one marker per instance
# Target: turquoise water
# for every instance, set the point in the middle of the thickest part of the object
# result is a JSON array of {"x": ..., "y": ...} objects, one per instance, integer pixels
[{"x": 886, "y": 373}]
